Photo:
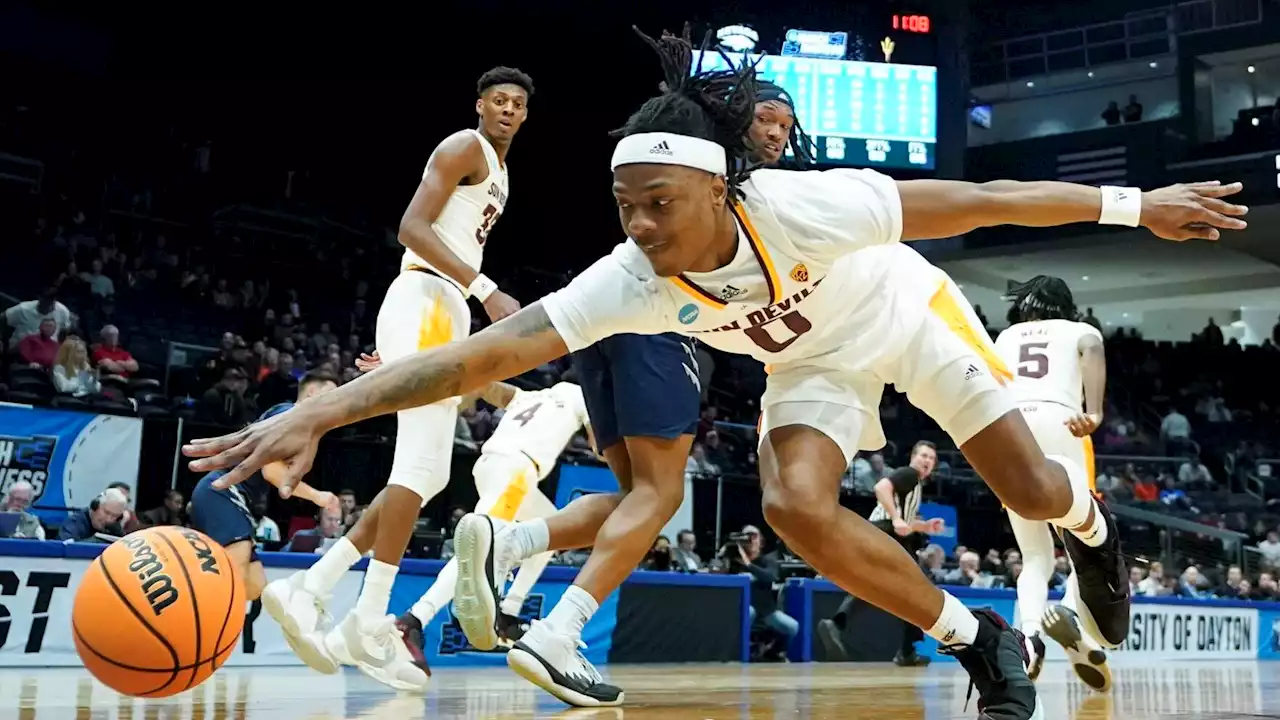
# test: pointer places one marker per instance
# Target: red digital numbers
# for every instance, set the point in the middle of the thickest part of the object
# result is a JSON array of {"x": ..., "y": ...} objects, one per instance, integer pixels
[{"x": 911, "y": 23}]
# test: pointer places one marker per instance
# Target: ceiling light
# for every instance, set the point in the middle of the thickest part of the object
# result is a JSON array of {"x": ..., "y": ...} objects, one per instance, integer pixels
[
  {"x": 1252, "y": 69},
  {"x": 1090, "y": 73},
  {"x": 1124, "y": 314},
  {"x": 1084, "y": 277},
  {"x": 1153, "y": 64},
  {"x": 1030, "y": 84}
]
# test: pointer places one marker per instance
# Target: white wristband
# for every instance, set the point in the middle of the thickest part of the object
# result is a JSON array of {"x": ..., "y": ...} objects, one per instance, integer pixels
[
  {"x": 1121, "y": 206},
  {"x": 481, "y": 288}
]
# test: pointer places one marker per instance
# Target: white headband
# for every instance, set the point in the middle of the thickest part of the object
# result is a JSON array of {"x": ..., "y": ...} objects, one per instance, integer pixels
[{"x": 670, "y": 149}]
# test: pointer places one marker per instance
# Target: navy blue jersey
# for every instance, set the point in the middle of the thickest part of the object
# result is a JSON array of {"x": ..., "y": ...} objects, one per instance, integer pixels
[
  {"x": 224, "y": 515},
  {"x": 640, "y": 386}
]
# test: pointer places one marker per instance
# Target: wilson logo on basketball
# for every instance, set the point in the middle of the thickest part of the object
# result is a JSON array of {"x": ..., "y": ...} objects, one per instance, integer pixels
[
  {"x": 800, "y": 273},
  {"x": 156, "y": 584}
]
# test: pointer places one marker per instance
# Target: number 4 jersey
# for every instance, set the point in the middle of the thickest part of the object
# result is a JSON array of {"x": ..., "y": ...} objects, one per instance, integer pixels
[
  {"x": 1045, "y": 358},
  {"x": 819, "y": 278},
  {"x": 468, "y": 215},
  {"x": 539, "y": 424}
]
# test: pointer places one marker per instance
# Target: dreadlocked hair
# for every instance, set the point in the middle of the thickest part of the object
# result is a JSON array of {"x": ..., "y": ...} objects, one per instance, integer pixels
[
  {"x": 715, "y": 105},
  {"x": 1043, "y": 297},
  {"x": 503, "y": 75}
]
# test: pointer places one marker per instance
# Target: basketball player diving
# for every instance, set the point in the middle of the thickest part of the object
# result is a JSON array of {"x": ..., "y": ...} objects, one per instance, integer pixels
[
  {"x": 833, "y": 334},
  {"x": 224, "y": 515},
  {"x": 461, "y": 196},
  {"x": 1060, "y": 373}
]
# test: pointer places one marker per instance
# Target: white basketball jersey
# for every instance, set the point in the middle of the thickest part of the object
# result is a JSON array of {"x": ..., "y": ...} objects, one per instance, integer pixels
[
  {"x": 469, "y": 215},
  {"x": 539, "y": 424},
  {"x": 1045, "y": 357}
]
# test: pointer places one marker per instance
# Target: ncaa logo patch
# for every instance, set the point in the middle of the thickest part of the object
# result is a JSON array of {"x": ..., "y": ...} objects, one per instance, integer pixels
[
  {"x": 688, "y": 314},
  {"x": 800, "y": 273}
]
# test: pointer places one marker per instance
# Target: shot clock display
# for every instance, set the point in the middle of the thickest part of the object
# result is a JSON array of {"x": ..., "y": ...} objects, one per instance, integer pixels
[{"x": 867, "y": 114}]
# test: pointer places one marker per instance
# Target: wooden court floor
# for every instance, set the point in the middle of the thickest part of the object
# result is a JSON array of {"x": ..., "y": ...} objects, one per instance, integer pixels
[{"x": 672, "y": 692}]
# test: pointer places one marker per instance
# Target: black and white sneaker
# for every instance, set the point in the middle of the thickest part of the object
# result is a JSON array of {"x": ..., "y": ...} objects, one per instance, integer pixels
[
  {"x": 553, "y": 661},
  {"x": 510, "y": 629},
  {"x": 483, "y": 563},
  {"x": 1088, "y": 660},
  {"x": 1035, "y": 655},
  {"x": 832, "y": 639},
  {"x": 996, "y": 663},
  {"x": 1103, "y": 581}
]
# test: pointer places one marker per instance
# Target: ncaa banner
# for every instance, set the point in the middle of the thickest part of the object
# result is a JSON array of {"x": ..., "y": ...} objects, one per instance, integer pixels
[
  {"x": 68, "y": 457},
  {"x": 38, "y": 593}
]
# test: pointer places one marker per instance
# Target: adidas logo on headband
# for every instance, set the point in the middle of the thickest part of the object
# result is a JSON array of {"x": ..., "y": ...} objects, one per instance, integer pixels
[{"x": 661, "y": 148}]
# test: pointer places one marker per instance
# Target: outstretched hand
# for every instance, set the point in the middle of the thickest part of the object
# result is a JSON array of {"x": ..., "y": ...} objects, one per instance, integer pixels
[
  {"x": 1194, "y": 211},
  {"x": 368, "y": 363},
  {"x": 290, "y": 438}
]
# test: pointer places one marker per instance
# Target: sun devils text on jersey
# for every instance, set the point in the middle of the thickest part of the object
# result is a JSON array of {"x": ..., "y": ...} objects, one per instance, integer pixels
[{"x": 1045, "y": 358}]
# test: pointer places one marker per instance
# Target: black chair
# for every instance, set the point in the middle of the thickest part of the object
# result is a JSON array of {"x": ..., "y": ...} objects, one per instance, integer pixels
[
  {"x": 19, "y": 373},
  {"x": 26, "y": 398},
  {"x": 66, "y": 402},
  {"x": 152, "y": 411},
  {"x": 112, "y": 407},
  {"x": 140, "y": 385},
  {"x": 39, "y": 386}
]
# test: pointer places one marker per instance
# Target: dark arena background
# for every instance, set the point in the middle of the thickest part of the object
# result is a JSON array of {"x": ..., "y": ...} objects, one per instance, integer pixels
[{"x": 210, "y": 197}]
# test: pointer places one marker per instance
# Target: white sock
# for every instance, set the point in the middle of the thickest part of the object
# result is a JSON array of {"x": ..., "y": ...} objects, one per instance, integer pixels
[
  {"x": 530, "y": 537},
  {"x": 323, "y": 576},
  {"x": 438, "y": 595},
  {"x": 956, "y": 625},
  {"x": 376, "y": 593},
  {"x": 1032, "y": 627},
  {"x": 1095, "y": 533},
  {"x": 529, "y": 573},
  {"x": 576, "y": 607}
]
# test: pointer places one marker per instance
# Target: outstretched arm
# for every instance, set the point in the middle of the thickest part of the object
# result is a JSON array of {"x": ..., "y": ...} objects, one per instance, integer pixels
[{"x": 947, "y": 208}]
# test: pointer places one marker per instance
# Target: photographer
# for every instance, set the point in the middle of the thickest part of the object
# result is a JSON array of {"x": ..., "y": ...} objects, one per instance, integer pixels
[
  {"x": 897, "y": 504},
  {"x": 743, "y": 554},
  {"x": 659, "y": 557}
]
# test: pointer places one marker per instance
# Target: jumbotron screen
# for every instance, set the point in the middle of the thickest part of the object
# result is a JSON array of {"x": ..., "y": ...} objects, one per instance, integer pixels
[{"x": 862, "y": 114}]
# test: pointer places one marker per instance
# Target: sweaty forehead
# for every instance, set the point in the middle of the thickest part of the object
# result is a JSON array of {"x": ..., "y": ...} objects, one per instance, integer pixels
[{"x": 647, "y": 177}]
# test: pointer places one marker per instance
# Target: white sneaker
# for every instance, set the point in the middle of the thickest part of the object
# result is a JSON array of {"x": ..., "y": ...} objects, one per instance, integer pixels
[
  {"x": 303, "y": 619},
  {"x": 485, "y": 557},
  {"x": 553, "y": 661},
  {"x": 1087, "y": 658},
  {"x": 399, "y": 674},
  {"x": 369, "y": 641}
]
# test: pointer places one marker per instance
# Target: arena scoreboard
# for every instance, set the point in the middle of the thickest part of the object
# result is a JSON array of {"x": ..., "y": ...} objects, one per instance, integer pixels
[{"x": 864, "y": 114}]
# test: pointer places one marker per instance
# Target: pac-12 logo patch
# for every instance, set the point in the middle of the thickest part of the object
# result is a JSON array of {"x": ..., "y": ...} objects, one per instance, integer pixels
[
  {"x": 688, "y": 314},
  {"x": 800, "y": 273}
]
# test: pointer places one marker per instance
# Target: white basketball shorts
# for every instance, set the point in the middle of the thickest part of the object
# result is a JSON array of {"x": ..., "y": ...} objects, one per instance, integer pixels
[{"x": 422, "y": 311}]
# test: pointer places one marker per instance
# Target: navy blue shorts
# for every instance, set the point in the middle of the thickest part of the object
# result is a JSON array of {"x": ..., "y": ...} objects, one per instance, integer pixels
[
  {"x": 640, "y": 386},
  {"x": 223, "y": 515}
]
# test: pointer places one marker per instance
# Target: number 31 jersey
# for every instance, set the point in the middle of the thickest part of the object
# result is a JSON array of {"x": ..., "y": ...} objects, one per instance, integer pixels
[
  {"x": 468, "y": 215},
  {"x": 1045, "y": 355},
  {"x": 539, "y": 424},
  {"x": 819, "y": 277}
]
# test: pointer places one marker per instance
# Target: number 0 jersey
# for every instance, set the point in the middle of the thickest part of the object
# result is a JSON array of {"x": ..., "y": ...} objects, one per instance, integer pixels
[
  {"x": 539, "y": 424},
  {"x": 1045, "y": 356},
  {"x": 819, "y": 276},
  {"x": 469, "y": 214}
]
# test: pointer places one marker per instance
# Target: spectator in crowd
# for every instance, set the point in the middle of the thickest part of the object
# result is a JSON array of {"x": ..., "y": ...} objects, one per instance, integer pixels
[
  {"x": 72, "y": 374},
  {"x": 1212, "y": 333},
  {"x": 1111, "y": 115},
  {"x": 685, "y": 554},
  {"x": 933, "y": 562},
  {"x": 1267, "y": 589},
  {"x": 25, "y": 318},
  {"x": 1136, "y": 576},
  {"x": 110, "y": 357},
  {"x": 1231, "y": 585},
  {"x": 1270, "y": 549},
  {"x": 130, "y": 519},
  {"x": 971, "y": 573},
  {"x": 1133, "y": 111},
  {"x": 455, "y": 515},
  {"x": 18, "y": 500},
  {"x": 698, "y": 464},
  {"x": 1194, "y": 473},
  {"x": 1091, "y": 319},
  {"x": 1192, "y": 583},
  {"x": 265, "y": 531},
  {"x": 169, "y": 513},
  {"x": 1154, "y": 582},
  {"x": 1145, "y": 490},
  {"x": 1175, "y": 432},
  {"x": 347, "y": 503},
  {"x": 102, "y": 516},
  {"x": 744, "y": 554},
  {"x": 328, "y": 527},
  {"x": 225, "y": 403},
  {"x": 100, "y": 286},
  {"x": 659, "y": 557},
  {"x": 40, "y": 349},
  {"x": 279, "y": 385}
]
